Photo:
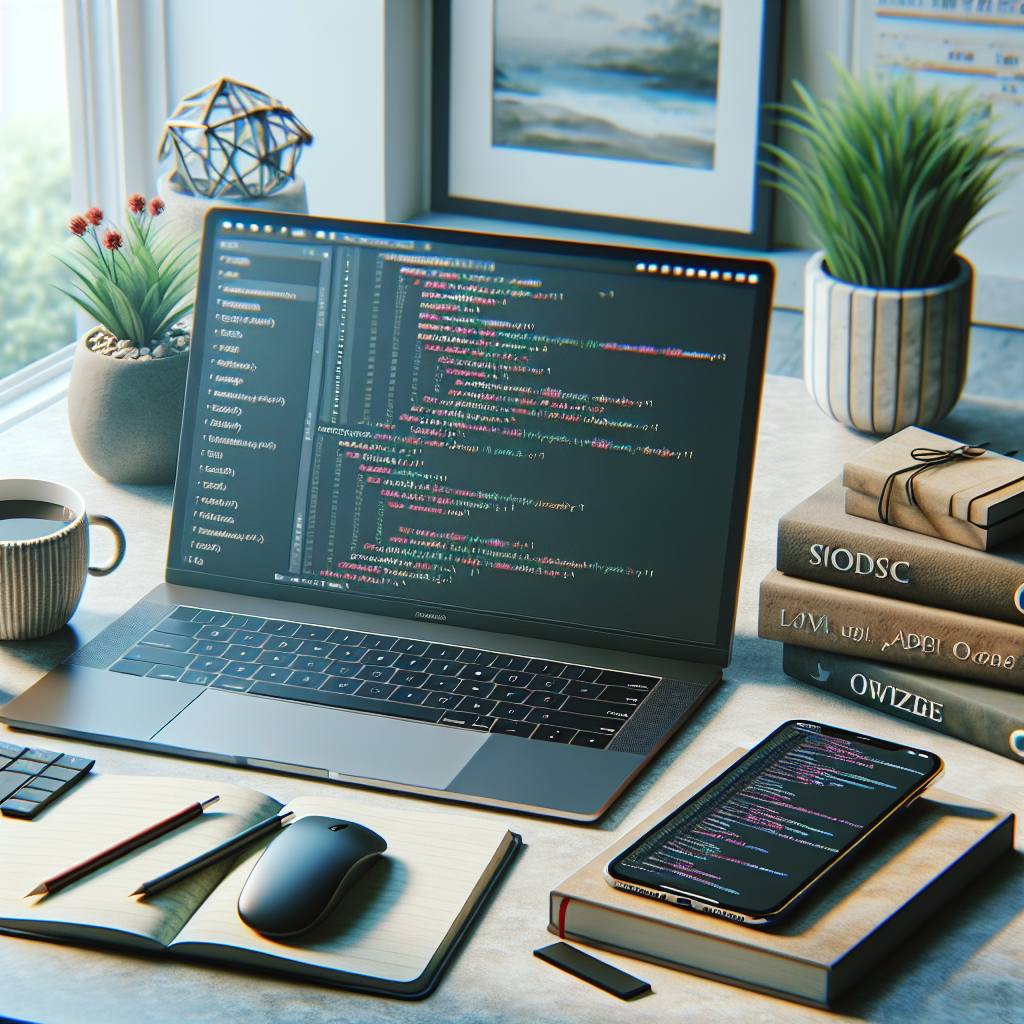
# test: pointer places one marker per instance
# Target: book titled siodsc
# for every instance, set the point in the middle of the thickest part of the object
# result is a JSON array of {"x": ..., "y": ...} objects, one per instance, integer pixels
[
  {"x": 819, "y": 541},
  {"x": 982, "y": 715},
  {"x": 897, "y": 632},
  {"x": 839, "y": 932}
]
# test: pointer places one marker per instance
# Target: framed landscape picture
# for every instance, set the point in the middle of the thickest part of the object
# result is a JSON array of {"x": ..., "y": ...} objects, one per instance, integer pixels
[{"x": 635, "y": 116}]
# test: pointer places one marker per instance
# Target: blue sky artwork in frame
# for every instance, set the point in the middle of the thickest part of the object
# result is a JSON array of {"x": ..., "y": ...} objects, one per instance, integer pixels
[{"x": 619, "y": 79}]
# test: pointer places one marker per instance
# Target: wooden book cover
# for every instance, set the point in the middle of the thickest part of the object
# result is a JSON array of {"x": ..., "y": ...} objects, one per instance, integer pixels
[
  {"x": 910, "y": 517},
  {"x": 838, "y": 933},
  {"x": 961, "y": 500}
]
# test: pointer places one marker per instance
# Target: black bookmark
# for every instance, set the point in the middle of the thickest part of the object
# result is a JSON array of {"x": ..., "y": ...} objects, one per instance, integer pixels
[{"x": 603, "y": 975}]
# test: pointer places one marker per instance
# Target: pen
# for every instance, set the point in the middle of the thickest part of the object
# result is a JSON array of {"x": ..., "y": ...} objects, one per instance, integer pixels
[
  {"x": 204, "y": 860},
  {"x": 112, "y": 853}
]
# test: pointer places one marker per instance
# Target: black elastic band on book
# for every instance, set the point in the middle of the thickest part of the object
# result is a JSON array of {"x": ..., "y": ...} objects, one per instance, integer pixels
[{"x": 925, "y": 458}]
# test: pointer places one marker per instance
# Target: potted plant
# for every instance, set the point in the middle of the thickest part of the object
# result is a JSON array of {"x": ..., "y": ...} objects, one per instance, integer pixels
[
  {"x": 128, "y": 376},
  {"x": 892, "y": 180}
]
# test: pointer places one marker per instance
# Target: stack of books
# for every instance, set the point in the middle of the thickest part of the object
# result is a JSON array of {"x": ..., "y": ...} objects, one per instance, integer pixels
[{"x": 918, "y": 627}]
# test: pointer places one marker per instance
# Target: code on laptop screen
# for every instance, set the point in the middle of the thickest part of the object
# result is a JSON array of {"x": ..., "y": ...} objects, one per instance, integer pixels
[{"x": 546, "y": 437}]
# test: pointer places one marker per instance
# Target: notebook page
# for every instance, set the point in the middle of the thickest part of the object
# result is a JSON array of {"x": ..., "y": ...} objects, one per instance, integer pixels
[
  {"x": 395, "y": 918},
  {"x": 100, "y": 811}
]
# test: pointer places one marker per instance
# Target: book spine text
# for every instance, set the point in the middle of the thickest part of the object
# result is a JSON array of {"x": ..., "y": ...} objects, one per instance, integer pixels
[
  {"x": 909, "y": 696},
  {"x": 896, "y": 632},
  {"x": 960, "y": 579}
]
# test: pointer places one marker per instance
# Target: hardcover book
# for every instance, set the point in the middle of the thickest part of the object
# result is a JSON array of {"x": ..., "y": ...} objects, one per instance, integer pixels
[
  {"x": 392, "y": 935},
  {"x": 917, "y": 865},
  {"x": 821, "y": 542},
  {"x": 897, "y": 632},
  {"x": 982, "y": 715}
]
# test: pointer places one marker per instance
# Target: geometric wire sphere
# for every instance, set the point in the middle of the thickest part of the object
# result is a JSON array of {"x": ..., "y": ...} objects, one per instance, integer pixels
[{"x": 231, "y": 141}]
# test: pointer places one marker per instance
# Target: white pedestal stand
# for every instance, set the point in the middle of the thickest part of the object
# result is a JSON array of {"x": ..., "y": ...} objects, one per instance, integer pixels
[{"x": 184, "y": 212}]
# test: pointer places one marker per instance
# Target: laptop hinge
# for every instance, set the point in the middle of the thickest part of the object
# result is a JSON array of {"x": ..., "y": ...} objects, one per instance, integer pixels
[{"x": 293, "y": 769}]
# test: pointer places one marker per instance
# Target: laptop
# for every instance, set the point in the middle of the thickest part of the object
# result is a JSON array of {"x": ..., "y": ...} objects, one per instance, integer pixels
[{"x": 456, "y": 514}]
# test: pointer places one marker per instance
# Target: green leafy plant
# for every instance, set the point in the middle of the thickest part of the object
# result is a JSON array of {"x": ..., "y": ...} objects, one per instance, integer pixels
[
  {"x": 892, "y": 179},
  {"x": 136, "y": 291}
]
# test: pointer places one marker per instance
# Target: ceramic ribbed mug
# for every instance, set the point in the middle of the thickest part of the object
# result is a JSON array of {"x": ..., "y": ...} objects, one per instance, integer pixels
[{"x": 42, "y": 577}]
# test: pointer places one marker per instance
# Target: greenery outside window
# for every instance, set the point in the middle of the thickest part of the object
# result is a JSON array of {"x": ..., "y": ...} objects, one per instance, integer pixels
[{"x": 35, "y": 182}]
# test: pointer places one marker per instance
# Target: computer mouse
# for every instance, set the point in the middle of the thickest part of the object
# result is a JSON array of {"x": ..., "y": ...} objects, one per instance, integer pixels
[{"x": 304, "y": 873}]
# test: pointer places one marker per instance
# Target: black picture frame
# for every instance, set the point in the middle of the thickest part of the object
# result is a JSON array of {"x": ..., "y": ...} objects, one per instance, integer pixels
[{"x": 442, "y": 200}]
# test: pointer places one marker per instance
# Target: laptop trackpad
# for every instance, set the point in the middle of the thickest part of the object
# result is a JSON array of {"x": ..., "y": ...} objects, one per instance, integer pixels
[{"x": 313, "y": 736}]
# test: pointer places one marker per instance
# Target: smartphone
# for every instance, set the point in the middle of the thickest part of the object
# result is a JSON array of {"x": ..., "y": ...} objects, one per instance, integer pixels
[{"x": 748, "y": 846}]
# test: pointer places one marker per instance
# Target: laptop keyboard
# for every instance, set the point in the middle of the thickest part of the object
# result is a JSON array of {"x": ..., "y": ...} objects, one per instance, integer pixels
[{"x": 455, "y": 686}]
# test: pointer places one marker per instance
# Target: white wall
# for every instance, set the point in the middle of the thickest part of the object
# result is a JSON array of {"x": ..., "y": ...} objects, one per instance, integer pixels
[
  {"x": 322, "y": 58},
  {"x": 353, "y": 71},
  {"x": 814, "y": 32},
  {"x": 369, "y": 115},
  {"x": 357, "y": 73}
]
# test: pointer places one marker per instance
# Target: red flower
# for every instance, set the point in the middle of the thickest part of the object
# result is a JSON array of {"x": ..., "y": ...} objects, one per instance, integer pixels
[
  {"x": 94, "y": 215},
  {"x": 77, "y": 225},
  {"x": 112, "y": 239},
  {"x": 136, "y": 203},
  {"x": 156, "y": 206}
]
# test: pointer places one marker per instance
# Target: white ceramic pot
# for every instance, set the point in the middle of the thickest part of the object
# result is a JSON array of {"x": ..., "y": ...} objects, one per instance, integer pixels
[{"x": 881, "y": 359}]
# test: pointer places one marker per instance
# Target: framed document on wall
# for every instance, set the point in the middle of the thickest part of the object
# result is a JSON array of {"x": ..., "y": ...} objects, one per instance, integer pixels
[
  {"x": 954, "y": 46},
  {"x": 636, "y": 116}
]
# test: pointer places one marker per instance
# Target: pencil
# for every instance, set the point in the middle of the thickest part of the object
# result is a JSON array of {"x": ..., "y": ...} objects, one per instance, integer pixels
[
  {"x": 218, "y": 853},
  {"x": 112, "y": 853}
]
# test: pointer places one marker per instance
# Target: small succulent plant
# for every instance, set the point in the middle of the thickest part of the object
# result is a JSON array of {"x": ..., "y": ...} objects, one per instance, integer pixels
[{"x": 138, "y": 287}]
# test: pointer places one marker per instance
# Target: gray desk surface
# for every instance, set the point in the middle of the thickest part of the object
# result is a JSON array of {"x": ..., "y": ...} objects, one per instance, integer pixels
[{"x": 965, "y": 965}]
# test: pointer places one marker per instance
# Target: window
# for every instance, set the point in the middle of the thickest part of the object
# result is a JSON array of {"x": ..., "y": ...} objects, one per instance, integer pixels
[{"x": 35, "y": 183}]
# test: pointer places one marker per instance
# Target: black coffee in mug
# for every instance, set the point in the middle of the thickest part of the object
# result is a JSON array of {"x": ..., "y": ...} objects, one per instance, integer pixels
[{"x": 28, "y": 519}]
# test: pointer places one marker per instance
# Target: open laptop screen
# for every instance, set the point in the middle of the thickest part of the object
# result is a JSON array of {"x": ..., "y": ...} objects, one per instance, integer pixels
[{"x": 537, "y": 437}]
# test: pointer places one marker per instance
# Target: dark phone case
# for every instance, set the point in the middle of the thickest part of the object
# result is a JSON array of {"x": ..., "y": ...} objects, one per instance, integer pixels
[{"x": 747, "y": 916}]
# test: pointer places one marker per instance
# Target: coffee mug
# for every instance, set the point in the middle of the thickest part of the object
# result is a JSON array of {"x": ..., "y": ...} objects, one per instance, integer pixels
[{"x": 44, "y": 556}]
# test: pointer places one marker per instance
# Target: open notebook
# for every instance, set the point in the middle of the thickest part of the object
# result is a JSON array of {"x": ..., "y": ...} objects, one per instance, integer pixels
[{"x": 392, "y": 934}]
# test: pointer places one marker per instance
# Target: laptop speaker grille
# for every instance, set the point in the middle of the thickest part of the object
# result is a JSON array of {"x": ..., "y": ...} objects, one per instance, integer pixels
[
  {"x": 103, "y": 650},
  {"x": 669, "y": 702}
]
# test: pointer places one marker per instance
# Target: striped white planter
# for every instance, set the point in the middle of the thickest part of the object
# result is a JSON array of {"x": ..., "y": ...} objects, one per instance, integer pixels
[{"x": 881, "y": 359}]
